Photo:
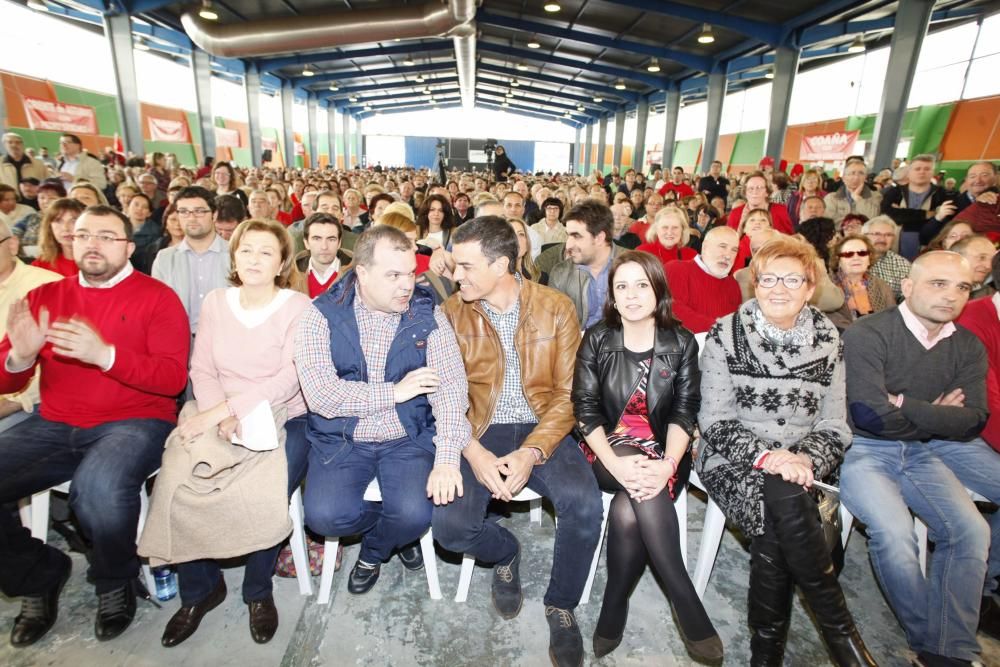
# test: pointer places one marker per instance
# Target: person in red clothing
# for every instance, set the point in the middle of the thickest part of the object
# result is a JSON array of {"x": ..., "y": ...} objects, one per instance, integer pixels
[
  {"x": 55, "y": 238},
  {"x": 982, "y": 317},
  {"x": 758, "y": 194},
  {"x": 756, "y": 221},
  {"x": 702, "y": 288},
  {"x": 112, "y": 344},
  {"x": 667, "y": 239},
  {"x": 322, "y": 261},
  {"x": 677, "y": 186},
  {"x": 983, "y": 214}
]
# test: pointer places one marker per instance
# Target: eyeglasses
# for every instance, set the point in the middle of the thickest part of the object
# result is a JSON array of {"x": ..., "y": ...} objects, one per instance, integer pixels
[
  {"x": 84, "y": 237},
  {"x": 193, "y": 213},
  {"x": 853, "y": 253},
  {"x": 883, "y": 235},
  {"x": 792, "y": 281}
]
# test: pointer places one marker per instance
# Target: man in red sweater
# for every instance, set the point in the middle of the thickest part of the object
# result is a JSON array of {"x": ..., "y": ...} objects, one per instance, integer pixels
[
  {"x": 677, "y": 186},
  {"x": 113, "y": 347},
  {"x": 702, "y": 289},
  {"x": 982, "y": 317}
]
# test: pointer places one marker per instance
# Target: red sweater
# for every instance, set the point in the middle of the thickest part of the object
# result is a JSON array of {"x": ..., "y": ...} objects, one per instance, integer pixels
[
  {"x": 144, "y": 320},
  {"x": 984, "y": 218},
  {"x": 316, "y": 287},
  {"x": 779, "y": 218},
  {"x": 667, "y": 255},
  {"x": 699, "y": 297},
  {"x": 62, "y": 266},
  {"x": 980, "y": 317},
  {"x": 681, "y": 189}
]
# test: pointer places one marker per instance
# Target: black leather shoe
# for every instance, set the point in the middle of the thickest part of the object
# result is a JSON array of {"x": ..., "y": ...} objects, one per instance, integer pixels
[
  {"x": 507, "y": 596},
  {"x": 115, "y": 611},
  {"x": 603, "y": 646},
  {"x": 263, "y": 619},
  {"x": 925, "y": 659},
  {"x": 412, "y": 557},
  {"x": 363, "y": 577},
  {"x": 39, "y": 612},
  {"x": 186, "y": 620}
]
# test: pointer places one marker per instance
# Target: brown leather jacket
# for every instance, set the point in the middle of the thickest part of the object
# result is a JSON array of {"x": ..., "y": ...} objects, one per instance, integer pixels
[{"x": 547, "y": 337}]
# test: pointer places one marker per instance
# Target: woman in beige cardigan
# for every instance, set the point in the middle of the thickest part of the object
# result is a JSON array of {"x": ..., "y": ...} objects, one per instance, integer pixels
[{"x": 863, "y": 294}]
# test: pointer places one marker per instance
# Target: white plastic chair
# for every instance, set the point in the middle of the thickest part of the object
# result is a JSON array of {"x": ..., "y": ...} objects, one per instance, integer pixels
[
  {"x": 297, "y": 542},
  {"x": 35, "y": 516},
  {"x": 535, "y": 514},
  {"x": 374, "y": 494}
]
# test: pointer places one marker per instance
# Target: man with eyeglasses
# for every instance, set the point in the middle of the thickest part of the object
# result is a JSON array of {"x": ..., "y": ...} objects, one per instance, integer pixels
[
  {"x": 917, "y": 403},
  {"x": 112, "y": 345},
  {"x": 887, "y": 264},
  {"x": 200, "y": 263},
  {"x": 77, "y": 165}
]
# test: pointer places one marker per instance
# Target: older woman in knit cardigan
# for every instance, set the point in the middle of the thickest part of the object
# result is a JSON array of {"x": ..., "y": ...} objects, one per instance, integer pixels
[
  {"x": 773, "y": 419},
  {"x": 243, "y": 355}
]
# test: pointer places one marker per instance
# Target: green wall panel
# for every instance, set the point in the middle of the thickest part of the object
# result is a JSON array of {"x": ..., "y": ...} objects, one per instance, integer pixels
[
  {"x": 105, "y": 106},
  {"x": 928, "y": 127},
  {"x": 195, "y": 126},
  {"x": 749, "y": 147},
  {"x": 686, "y": 152}
]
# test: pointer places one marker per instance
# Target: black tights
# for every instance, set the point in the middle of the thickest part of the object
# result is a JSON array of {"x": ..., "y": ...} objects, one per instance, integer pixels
[{"x": 637, "y": 532}]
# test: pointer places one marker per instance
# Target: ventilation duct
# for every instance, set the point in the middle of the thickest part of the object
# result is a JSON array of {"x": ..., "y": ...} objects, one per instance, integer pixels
[{"x": 300, "y": 34}]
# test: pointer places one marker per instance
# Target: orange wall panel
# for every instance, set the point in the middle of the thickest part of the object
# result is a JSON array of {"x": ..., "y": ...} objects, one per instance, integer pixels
[{"x": 973, "y": 131}]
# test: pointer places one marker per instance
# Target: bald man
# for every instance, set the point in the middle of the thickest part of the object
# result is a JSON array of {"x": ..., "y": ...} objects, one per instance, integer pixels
[
  {"x": 702, "y": 289},
  {"x": 916, "y": 395}
]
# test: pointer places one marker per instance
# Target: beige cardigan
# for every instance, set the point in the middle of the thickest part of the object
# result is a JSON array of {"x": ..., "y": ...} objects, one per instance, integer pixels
[{"x": 214, "y": 499}]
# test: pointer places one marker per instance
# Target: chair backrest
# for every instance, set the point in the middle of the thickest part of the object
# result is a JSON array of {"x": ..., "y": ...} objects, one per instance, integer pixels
[{"x": 700, "y": 337}]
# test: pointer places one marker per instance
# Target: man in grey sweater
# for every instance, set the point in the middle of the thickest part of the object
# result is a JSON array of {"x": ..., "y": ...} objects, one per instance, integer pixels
[{"x": 916, "y": 394}]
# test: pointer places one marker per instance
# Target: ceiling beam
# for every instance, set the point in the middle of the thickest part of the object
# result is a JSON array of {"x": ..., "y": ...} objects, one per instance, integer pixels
[
  {"x": 354, "y": 90},
  {"x": 369, "y": 114},
  {"x": 500, "y": 97},
  {"x": 602, "y": 90},
  {"x": 372, "y": 73},
  {"x": 272, "y": 64},
  {"x": 530, "y": 113},
  {"x": 692, "y": 60},
  {"x": 768, "y": 32},
  {"x": 589, "y": 101},
  {"x": 529, "y": 55}
]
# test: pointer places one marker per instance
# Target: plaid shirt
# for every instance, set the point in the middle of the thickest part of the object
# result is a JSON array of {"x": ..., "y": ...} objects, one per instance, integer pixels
[
  {"x": 892, "y": 268},
  {"x": 512, "y": 406},
  {"x": 373, "y": 402}
]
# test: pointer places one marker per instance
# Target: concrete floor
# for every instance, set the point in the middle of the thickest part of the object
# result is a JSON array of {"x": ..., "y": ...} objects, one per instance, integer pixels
[{"x": 397, "y": 624}]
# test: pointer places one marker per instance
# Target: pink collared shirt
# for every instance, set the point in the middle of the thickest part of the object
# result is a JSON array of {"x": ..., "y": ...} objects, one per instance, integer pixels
[{"x": 920, "y": 332}]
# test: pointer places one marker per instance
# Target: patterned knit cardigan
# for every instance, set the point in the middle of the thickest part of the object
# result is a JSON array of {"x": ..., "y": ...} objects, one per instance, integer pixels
[{"x": 758, "y": 396}]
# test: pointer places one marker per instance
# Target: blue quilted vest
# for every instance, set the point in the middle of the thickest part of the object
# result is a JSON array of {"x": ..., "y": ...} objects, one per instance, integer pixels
[{"x": 335, "y": 437}]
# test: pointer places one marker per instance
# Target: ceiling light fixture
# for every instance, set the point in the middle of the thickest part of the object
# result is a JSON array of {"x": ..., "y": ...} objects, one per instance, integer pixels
[
  {"x": 510, "y": 93},
  {"x": 515, "y": 83},
  {"x": 551, "y": 7},
  {"x": 505, "y": 104},
  {"x": 581, "y": 108},
  {"x": 598, "y": 100},
  {"x": 206, "y": 12},
  {"x": 419, "y": 79},
  {"x": 307, "y": 72},
  {"x": 333, "y": 88},
  {"x": 653, "y": 66},
  {"x": 426, "y": 91},
  {"x": 141, "y": 45},
  {"x": 769, "y": 74},
  {"x": 620, "y": 84},
  {"x": 409, "y": 62},
  {"x": 857, "y": 46},
  {"x": 534, "y": 45},
  {"x": 566, "y": 115},
  {"x": 521, "y": 67},
  {"x": 38, "y": 5},
  {"x": 352, "y": 98},
  {"x": 706, "y": 36}
]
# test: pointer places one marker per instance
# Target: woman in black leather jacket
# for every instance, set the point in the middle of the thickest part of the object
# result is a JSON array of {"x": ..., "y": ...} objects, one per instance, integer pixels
[{"x": 636, "y": 398}]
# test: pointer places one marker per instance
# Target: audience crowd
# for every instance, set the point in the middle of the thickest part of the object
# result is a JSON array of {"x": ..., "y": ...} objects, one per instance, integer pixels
[{"x": 239, "y": 332}]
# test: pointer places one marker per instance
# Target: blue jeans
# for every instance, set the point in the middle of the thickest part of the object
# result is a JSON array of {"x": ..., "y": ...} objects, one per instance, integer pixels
[
  {"x": 107, "y": 463},
  {"x": 881, "y": 483},
  {"x": 197, "y": 579},
  {"x": 335, "y": 489},
  {"x": 565, "y": 479}
]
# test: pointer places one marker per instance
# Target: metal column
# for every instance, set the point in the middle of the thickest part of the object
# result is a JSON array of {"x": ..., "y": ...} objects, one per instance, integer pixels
[
  {"x": 574, "y": 166},
  {"x": 716, "y": 95},
  {"x": 118, "y": 30},
  {"x": 588, "y": 149},
  {"x": 359, "y": 143},
  {"x": 619, "y": 140},
  {"x": 201, "y": 69},
  {"x": 912, "y": 18},
  {"x": 312, "y": 108},
  {"x": 251, "y": 83},
  {"x": 670, "y": 112},
  {"x": 786, "y": 65},
  {"x": 639, "y": 150},
  {"x": 347, "y": 139},
  {"x": 602, "y": 133},
  {"x": 287, "y": 100},
  {"x": 331, "y": 124}
]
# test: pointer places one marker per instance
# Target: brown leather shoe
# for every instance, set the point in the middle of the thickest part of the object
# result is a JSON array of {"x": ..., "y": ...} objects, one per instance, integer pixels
[
  {"x": 186, "y": 620},
  {"x": 263, "y": 619}
]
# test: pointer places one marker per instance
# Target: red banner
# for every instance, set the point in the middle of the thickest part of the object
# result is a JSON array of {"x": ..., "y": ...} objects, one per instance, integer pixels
[
  {"x": 300, "y": 148},
  {"x": 59, "y": 117},
  {"x": 161, "y": 129},
  {"x": 225, "y": 137},
  {"x": 269, "y": 144},
  {"x": 828, "y": 147}
]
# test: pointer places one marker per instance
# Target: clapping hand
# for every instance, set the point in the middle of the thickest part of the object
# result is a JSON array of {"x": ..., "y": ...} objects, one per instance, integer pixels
[
  {"x": 26, "y": 335},
  {"x": 78, "y": 340}
]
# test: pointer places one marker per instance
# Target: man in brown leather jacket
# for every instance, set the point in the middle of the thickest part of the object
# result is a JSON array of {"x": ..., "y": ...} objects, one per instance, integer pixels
[{"x": 518, "y": 341}]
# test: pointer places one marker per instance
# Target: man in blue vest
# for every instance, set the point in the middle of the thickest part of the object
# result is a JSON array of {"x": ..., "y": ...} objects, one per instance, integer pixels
[{"x": 384, "y": 381}]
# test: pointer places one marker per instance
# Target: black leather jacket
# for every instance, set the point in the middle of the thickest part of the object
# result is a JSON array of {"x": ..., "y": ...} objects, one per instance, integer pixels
[{"x": 604, "y": 380}]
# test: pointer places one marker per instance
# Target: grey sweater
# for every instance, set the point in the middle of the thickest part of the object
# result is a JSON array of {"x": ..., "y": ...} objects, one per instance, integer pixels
[{"x": 884, "y": 357}]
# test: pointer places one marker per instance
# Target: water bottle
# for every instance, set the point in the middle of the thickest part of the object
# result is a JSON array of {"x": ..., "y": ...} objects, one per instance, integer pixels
[{"x": 166, "y": 583}]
